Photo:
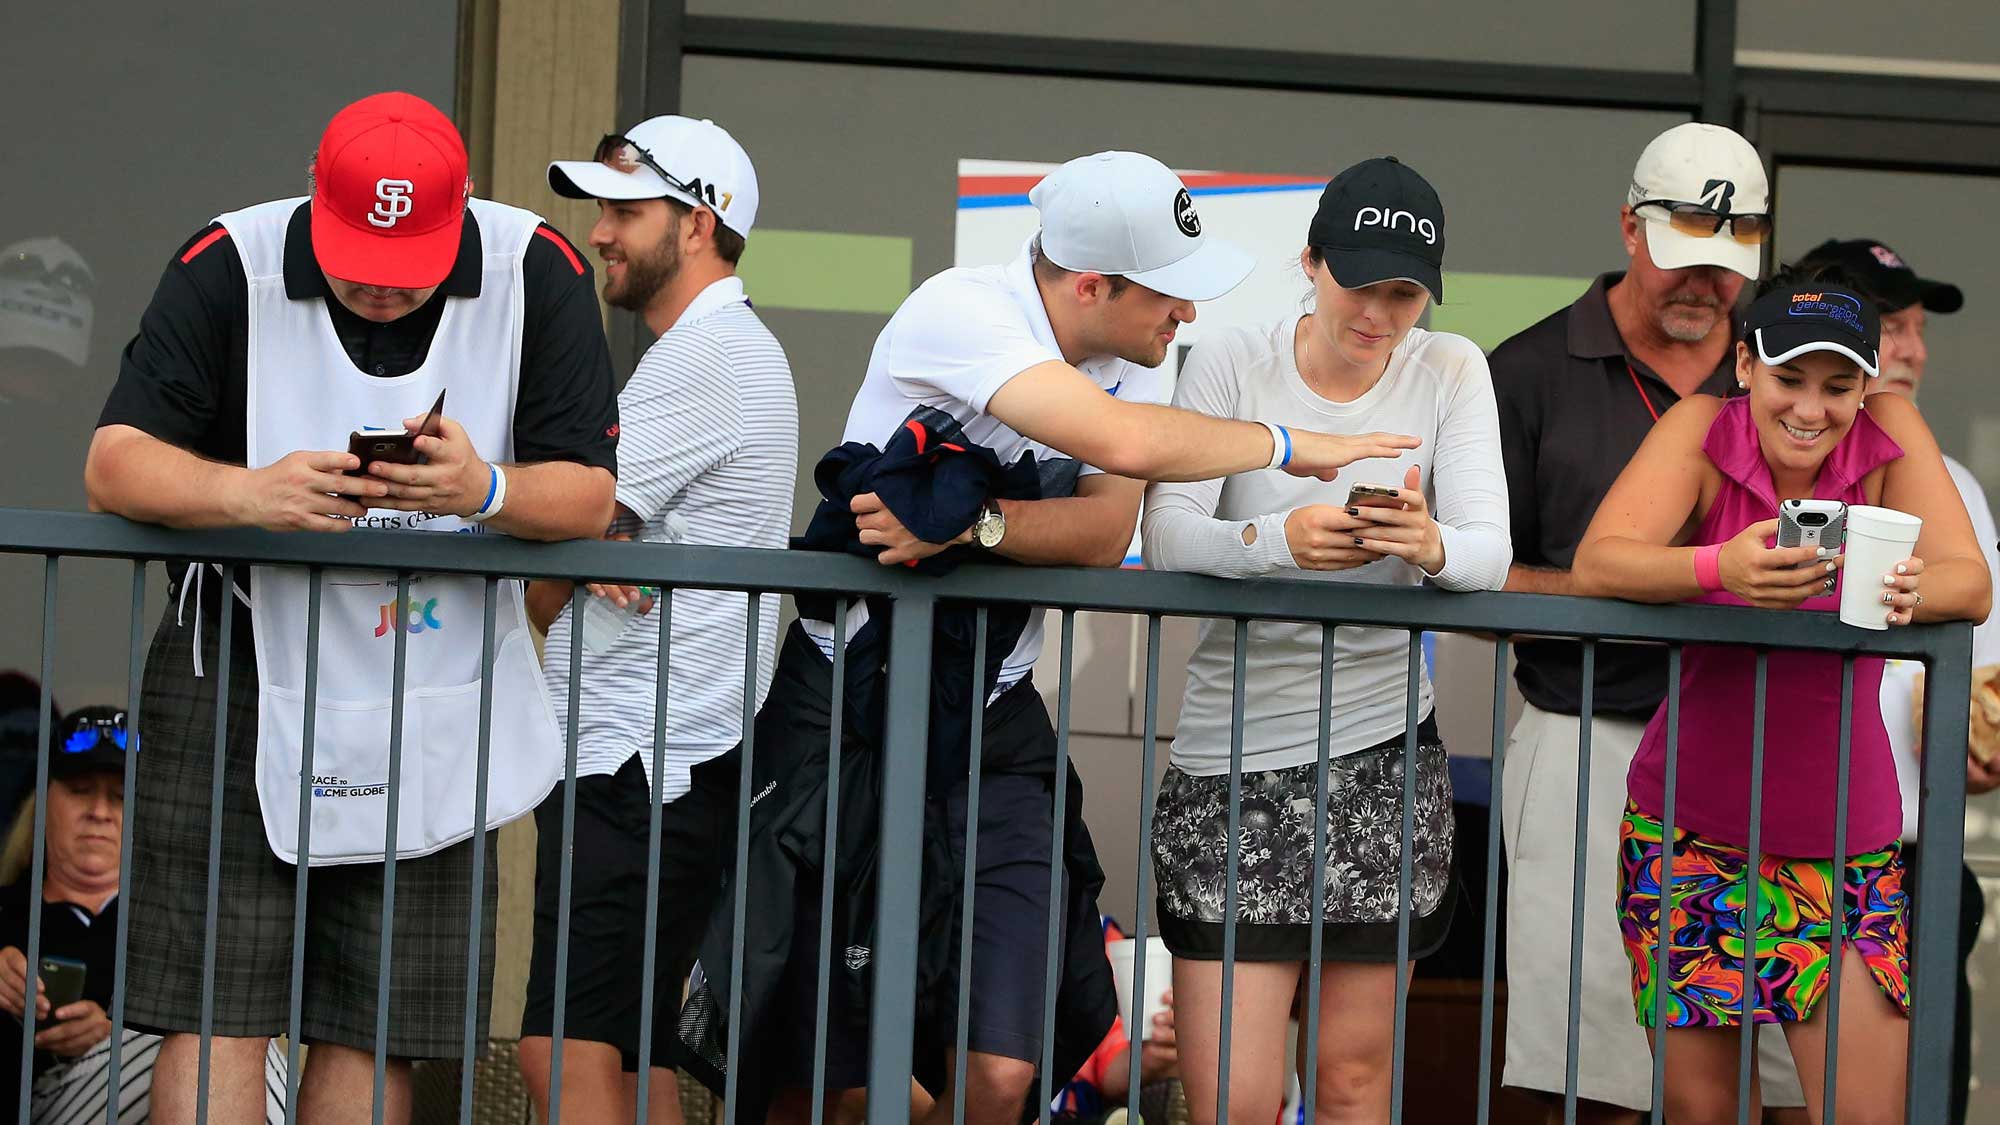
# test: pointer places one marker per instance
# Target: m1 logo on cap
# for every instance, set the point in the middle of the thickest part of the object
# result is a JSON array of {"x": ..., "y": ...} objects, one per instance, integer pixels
[
  {"x": 1184, "y": 215},
  {"x": 1717, "y": 195},
  {"x": 392, "y": 202}
]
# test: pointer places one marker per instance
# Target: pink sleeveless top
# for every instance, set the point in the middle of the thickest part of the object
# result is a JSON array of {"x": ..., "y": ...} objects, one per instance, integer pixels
[{"x": 1802, "y": 690}]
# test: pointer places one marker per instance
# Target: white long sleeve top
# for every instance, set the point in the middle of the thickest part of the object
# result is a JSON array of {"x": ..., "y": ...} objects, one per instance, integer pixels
[{"x": 1436, "y": 387}]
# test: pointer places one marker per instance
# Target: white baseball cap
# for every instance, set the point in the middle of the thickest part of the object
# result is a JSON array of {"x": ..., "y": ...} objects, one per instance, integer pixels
[
  {"x": 1709, "y": 166},
  {"x": 695, "y": 162},
  {"x": 47, "y": 298},
  {"x": 1126, "y": 214}
]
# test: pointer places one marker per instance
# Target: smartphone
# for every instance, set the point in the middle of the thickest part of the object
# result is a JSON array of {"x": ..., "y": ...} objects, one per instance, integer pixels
[
  {"x": 1812, "y": 523},
  {"x": 62, "y": 981},
  {"x": 397, "y": 447},
  {"x": 1375, "y": 495}
]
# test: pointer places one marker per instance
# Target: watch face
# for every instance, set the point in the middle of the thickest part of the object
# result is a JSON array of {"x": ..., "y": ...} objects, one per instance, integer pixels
[{"x": 990, "y": 528}]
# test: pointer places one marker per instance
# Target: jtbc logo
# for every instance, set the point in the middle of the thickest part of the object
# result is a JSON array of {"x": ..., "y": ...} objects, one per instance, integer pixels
[{"x": 416, "y": 616}]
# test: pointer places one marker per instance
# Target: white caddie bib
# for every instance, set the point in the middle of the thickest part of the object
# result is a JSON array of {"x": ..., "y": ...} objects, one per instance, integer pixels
[{"x": 305, "y": 393}]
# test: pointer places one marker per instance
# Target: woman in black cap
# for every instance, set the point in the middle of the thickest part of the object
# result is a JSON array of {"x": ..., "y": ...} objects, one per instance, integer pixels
[
  {"x": 1353, "y": 362},
  {"x": 1692, "y": 518}
]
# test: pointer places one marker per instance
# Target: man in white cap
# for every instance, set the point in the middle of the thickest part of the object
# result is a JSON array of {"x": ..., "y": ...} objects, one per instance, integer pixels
[
  {"x": 1053, "y": 355},
  {"x": 708, "y": 446},
  {"x": 1577, "y": 394}
]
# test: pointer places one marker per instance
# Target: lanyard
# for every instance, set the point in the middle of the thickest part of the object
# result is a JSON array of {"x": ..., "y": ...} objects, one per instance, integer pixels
[{"x": 1641, "y": 388}]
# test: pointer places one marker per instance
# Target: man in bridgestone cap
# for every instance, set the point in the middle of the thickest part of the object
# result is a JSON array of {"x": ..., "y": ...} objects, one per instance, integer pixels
[{"x": 279, "y": 334}]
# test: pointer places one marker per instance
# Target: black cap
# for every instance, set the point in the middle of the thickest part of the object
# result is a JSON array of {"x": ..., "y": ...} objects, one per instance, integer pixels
[
  {"x": 1886, "y": 277},
  {"x": 1797, "y": 319},
  {"x": 1381, "y": 221},
  {"x": 90, "y": 738}
]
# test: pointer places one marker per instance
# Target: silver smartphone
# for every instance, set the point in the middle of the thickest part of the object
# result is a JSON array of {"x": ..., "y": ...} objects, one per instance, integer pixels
[{"x": 1812, "y": 523}]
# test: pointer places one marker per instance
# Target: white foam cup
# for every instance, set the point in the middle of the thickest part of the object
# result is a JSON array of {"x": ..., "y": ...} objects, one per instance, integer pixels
[
  {"x": 1877, "y": 539},
  {"x": 1159, "y": 978}
]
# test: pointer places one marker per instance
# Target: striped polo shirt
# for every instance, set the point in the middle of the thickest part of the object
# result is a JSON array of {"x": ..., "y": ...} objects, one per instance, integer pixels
[{"x": 707, "y": 454}]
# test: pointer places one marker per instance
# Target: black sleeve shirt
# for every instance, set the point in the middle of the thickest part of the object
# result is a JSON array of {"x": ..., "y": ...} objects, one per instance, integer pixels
[{"x": 183, "y": 377}]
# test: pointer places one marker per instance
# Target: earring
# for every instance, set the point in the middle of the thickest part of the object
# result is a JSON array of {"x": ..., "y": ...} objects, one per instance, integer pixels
[{"x": 1741, "y": 385}]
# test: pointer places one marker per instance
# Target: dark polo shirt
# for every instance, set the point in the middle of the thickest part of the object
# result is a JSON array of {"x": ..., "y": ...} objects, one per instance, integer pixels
[{"x": 1574, "y": 405}]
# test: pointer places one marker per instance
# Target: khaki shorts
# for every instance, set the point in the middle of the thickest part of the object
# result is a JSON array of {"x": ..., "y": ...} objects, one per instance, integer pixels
[{"x": 1538, "y": 816}]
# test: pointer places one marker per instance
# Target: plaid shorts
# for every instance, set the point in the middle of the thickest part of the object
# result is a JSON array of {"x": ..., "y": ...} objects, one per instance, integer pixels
[{"x": 168, "y": 817}]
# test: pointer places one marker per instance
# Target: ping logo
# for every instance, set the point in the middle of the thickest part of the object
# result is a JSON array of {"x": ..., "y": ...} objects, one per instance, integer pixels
[
  {"x": 1717, "y": 195},
  {"x": 415, "y": 616},
  {"x": 1184, "y": 214},
  {"x": 392, "y": 202},
  {"x": 1394, "y": 220}
]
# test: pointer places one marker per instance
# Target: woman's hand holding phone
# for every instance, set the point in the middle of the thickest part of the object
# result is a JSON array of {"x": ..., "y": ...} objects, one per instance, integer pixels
[
  {"x": 1402, "y": 527},
  {"x": 1324, "y": 537},
  {"x": 1774, "y": 577}
]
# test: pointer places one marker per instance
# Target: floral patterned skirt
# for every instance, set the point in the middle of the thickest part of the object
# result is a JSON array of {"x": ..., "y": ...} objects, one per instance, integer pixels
[
  {"x": 1794, "y": 927},
  {"x": 1274, "y": 860}
]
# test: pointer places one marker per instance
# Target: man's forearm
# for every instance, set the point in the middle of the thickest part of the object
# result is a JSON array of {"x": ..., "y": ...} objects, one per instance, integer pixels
[
  {"x": 556, "y": 500},
  {"x": 133, "y": 474},
  {"x": 1066, "y": 531},
  {"x": 1524, "y": 579}
]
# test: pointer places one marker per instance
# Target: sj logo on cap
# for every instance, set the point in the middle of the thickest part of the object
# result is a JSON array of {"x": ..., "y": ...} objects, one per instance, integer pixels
[
  {"x": 392, "y": 202},
  {"x": 1184, "y": 215}
]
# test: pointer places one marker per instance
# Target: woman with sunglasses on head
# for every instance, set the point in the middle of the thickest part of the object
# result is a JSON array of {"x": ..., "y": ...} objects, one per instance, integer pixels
[
  {"x": 1354, "y": 362},
  {"x": 1692, "y": 518},
  {"x": 82, "y": 844}
]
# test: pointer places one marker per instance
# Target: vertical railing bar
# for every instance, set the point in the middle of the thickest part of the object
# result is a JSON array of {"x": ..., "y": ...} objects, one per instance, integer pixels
[
  {"x": 752, "y": 628},
  {"x": 577, "y": 597},
  {"x": 294, "y": 1024},
  {"x": 1746, "y": 1054},
  {"x": 1829, "y": 1091},
  {"x": 475, "y": 947},
  {"x": 1052, "y": 950},
  {"x": 905, "y": 753},
  {"x": 1231, "y": 859},
  {"x": 824, "y": 987},
  {"x": 1664, "y": 924},
  {"x": 1933, "y": 932},
  {"x": 1489, "y": 956},
  {"x": 962, "y": 1036},
  {"x": 134, "y": 689},
  {"x": 649, "y": 969},
  {"x": 1309, "y": 1077},
  {"x": 1406, "y": 906},
  {"x": 224, "y": 647},
  {"x": 1579, "y": 878},
  {"x": 1137, "y": 1029},
  {"x": 399, "y": 672},
  {"x": 45, "y": 734}
]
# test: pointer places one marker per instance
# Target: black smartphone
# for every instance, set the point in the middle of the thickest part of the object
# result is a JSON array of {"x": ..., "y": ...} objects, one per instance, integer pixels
[
  {"x": 1373, "y": 495},
  {"x": 388, "y": 445},
  {"x": 62, "y": 981}
]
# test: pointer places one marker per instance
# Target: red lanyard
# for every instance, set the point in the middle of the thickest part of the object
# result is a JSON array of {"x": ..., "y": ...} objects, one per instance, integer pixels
[{"x": 1641, "y": 388}]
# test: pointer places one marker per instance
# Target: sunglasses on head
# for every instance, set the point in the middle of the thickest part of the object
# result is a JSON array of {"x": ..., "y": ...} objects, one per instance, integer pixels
[
  {"x": 1750, "y": 228},
  {"x": 95, "y": 733},
  {"x": 618, "y": 152}
]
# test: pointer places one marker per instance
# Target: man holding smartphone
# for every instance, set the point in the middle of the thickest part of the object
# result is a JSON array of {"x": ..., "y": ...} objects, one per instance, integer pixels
[{"x": 275, "y": 333}]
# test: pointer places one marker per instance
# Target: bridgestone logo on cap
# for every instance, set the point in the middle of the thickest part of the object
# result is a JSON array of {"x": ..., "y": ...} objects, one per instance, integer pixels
[{"x": 1184, "y": 216}]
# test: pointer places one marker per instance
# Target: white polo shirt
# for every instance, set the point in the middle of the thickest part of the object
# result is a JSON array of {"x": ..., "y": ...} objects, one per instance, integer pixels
[
  {"x": 708, "y": 446},
  {"x": 952, "y": 345}
]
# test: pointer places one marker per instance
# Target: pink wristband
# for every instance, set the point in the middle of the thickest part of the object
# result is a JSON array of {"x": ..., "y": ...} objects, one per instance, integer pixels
[{"x": 1708, "y": 567}]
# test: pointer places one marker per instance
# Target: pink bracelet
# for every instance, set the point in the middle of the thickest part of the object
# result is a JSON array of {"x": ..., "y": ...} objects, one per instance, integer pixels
[{"x": 1708, "y": 567}]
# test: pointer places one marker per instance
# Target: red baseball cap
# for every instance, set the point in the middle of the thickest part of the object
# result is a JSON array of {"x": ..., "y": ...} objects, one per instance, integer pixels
[{"x": 389, "y": 189}]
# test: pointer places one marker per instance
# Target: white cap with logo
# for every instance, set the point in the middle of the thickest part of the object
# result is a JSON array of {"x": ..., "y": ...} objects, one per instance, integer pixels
[
  {"x": 1126, "y": 214},
  {"x": 695, "y": 162},
  {"x": 1709, "y": 166}
]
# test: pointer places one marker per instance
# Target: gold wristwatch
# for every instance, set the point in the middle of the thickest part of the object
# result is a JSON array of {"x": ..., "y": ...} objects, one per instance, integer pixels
[{"x": 990, "y": 527}]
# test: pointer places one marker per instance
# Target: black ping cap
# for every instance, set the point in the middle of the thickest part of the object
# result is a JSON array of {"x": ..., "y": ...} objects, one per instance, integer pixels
[
  {"x": 1381, "y": 221},
  {"x": 1885, "y": 275},
  {"x": 1789, "y": 322}
]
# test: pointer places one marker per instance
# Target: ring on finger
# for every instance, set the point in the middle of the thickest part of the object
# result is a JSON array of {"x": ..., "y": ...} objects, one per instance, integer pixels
[
  {"x": 1828, "y": 584},
  {"x": 1919, "y": 600}
]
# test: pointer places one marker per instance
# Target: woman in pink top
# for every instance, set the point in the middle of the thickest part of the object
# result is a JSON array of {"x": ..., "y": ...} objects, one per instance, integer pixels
[{"x": 1693, "y": 518}]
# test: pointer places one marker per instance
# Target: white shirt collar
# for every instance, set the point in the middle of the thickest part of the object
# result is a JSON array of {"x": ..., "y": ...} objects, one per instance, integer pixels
[
  {"x": 720, "y": 294},
  {"x": 1021, "y": 278}
]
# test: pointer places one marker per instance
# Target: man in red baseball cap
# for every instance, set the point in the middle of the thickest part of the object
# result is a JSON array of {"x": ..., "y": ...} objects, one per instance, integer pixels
[{"x": 283, "y": 338}]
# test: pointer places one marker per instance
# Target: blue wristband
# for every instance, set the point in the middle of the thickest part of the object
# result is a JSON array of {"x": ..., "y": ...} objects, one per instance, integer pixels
[
  {"x": 493, "y": 485},
  {"x": 1287, "y": 459}
]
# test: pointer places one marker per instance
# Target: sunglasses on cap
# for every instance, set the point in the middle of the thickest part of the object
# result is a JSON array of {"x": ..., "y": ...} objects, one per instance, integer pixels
[
  {"x": 1696, "y": 221},
  {"x": 92, "y": 733},
  {"x": 617, "y": 152},
  {"x": 31, "y": 269}
]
